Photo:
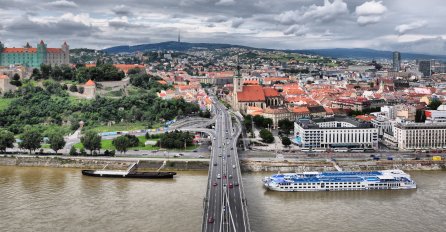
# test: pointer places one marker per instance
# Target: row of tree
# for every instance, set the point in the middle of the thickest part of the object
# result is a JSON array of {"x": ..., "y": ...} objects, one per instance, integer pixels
[
  {"x": 32, "y": 139},
  {"x": 175, "y": 139},
  {"x": 81, "y": 74}
]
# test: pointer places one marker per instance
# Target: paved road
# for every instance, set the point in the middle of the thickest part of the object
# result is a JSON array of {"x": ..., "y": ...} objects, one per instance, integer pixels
[{"x": 225, "y": 204}]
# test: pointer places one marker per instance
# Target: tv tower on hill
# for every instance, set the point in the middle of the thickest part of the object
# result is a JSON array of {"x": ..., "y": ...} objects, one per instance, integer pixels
[{"x": 179, "y": 36}]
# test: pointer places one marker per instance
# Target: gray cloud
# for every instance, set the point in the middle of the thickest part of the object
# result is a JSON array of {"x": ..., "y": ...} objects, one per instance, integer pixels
[
  {"x": 225, "y": 2},
  {"x": 237, "y": 22},
  {"x": 314, "y": 13},
  {"x": 122, "y": 10},
  {"x": 370, "y": 12},
  {"x": 296, "y": 30},
  {"x": 62, "y": 4},
  {"x": 379, "y": 24},
  {"x": 63, "y": 26},
  {"x": 403, "y": 28}
]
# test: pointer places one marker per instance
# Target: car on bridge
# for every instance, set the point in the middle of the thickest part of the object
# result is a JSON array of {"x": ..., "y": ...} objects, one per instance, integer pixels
[
  {"x": 230, "y": 185},
  {"x": 211, "y": 219},
  {"x": 218, "y": 176},
  {"x": 215, "y": 184},
  {"x": 236, "y": 183}
]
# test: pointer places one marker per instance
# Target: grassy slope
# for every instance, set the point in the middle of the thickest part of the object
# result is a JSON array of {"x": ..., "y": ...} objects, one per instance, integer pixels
[{"x": 5, "y": 102}]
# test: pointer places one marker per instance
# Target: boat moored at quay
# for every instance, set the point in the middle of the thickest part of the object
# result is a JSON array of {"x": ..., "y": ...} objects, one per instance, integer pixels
[{"x": 339, "y": 181}]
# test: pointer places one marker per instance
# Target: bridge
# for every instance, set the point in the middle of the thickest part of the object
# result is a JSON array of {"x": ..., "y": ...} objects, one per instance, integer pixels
[{"x": 225, "y": 205}]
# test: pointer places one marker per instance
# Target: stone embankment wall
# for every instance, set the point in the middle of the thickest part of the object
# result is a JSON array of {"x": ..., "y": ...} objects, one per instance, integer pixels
[
  {"x": 366, "y": 165},
  {"x": 120, "y": 163}
]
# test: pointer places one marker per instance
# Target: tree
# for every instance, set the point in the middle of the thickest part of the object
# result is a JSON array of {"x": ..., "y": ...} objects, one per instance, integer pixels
[
  {"x": 56, "y": 141},
  {"x": 266, "y": 136},
  {"x": 73, "y": 88},
  {"x": 6, "y": 140},
  {"x": 73, "y": 151},
  {"x": 286, "y": 125},
  {"x": 91, "y": 141},
  {"x": 121, "y": 143},
  {"x": 82, "y": 152},
  {"x": 31, "y": 139},
  {"x": 286, "y": 141},
  {"x": 16, "y": 80},
  {"x": 36, "y": 75},
  {"x": 434, "y": 104}
]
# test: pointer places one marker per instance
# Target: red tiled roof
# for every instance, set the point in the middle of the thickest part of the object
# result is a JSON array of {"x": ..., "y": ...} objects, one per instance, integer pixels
[
  {"x": 300, "y": 110},
  {"x": 19, "y": 50},
  {"x": 3, "y": 77},
  {"x": 251, "y": 93},
  {"x": 90, "y": 83},
  {"x": 270, "y": 92},
  {"x": 54, "y": 50},
  {"x": 366, "y": 117}
]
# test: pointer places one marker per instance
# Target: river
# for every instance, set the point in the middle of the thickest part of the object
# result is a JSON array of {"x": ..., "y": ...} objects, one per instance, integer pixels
[{"x": 56, "y": 199}]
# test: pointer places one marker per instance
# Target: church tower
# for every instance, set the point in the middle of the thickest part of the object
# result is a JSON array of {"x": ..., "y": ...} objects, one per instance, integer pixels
[{"x": 237, "y": 82}]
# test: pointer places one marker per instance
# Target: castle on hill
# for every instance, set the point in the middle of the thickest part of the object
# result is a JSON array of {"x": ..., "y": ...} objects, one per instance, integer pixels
[{"x": 34, "y": 57}]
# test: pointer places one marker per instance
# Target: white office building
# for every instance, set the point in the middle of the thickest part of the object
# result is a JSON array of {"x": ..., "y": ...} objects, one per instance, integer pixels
[
  {"x": 418, "y": 136},
  {"x": 335, "y": 132},
  {"x": 383, "y": 124}
]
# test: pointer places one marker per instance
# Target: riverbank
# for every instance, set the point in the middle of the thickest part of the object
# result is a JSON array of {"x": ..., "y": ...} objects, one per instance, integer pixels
[
  {"x": 247, "y": 165},
  {"x": 101, "y": 162}
]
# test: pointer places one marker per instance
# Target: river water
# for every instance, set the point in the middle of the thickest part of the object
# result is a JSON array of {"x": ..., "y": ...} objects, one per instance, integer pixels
[{"x": 56, "y": 199}]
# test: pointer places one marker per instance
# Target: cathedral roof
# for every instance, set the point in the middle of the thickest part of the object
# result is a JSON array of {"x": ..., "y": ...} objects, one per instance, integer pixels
[{"x": 251, "y": 93}]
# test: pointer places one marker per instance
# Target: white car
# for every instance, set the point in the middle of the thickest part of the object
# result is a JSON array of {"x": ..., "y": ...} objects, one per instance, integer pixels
[
  {"x": 218, "y": 176},
  {"x": 233, "y": 166}
]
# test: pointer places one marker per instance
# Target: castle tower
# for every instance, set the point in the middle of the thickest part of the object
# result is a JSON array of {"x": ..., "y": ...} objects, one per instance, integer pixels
[
  {"x": 90, "y": 89},
  {"x": 41, "y": 53},
  {"x": 66, "y": 51}
]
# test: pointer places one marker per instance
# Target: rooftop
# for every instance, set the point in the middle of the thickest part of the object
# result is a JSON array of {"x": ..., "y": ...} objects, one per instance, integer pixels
[{"x": 307, "y": 123}]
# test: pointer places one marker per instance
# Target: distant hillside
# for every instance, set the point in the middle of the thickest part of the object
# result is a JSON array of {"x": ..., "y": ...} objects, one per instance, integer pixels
[
  {"x": 171, "y": 45},
  {"x": 363, "y": 53},
  {"x": 354, "y": 53}
]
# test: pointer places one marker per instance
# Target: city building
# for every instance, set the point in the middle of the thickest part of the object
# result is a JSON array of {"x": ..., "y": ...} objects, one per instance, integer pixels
[
  {"x": 417, "y": 136},
  {"x": 383, "y": 124},
  {"x": 396, "y": 64},
  {"x": 335, "y": 132},
  {"x": 244, "y": 96},
  {"x": 424, "y": 67},
  {"x": 34, "y": 57},
  {"x": 438, "y": 115},
  {"x": 277, "y": 114}
]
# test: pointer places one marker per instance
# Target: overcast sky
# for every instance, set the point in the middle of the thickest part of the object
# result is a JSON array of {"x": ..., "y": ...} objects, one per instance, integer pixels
[{"x": 404, "y": 25}]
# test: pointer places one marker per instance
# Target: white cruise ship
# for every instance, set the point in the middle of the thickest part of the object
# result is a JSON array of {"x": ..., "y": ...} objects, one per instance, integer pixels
[{"x": 337, "y": 181}]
